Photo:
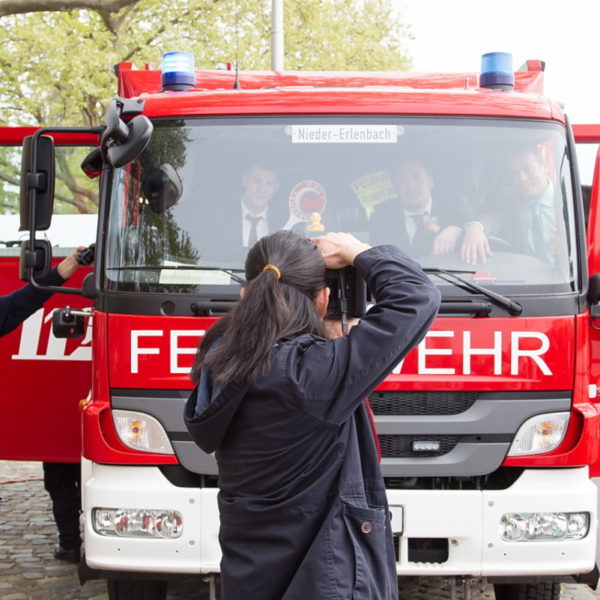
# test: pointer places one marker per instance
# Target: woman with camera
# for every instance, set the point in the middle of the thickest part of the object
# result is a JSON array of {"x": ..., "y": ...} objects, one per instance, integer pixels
[{"x": 302, "y": 500}]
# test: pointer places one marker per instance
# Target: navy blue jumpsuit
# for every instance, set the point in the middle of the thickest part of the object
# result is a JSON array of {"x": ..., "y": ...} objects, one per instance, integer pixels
[
  {"x": 302, "y": 500},
  {"x": 16, "y": 307}
]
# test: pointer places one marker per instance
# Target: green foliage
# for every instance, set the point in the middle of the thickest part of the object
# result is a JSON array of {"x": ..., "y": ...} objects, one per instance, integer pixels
[
  {"x": 10, "y": 163},
  {"x": 74, "y": 192},
  {"x": 344, "y": 35}
]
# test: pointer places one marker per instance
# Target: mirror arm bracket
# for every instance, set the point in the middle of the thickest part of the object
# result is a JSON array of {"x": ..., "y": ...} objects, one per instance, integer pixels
[
  {"x": 30, "y": 258},
  {"x": 55, "y": 289},
  {"x": 37, "y": 181}
]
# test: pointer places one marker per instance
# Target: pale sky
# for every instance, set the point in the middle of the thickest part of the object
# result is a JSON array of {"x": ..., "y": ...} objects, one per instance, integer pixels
[{"x": 451, "y": 35}]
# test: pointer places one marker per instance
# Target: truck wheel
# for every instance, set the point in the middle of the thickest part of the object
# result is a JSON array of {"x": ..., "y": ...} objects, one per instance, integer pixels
[
  {"x": 136, "y": 589},
  {"x": 527, "y": 591}
]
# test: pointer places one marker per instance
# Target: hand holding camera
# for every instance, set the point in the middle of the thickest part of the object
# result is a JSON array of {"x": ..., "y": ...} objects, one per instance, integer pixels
[
  {"x": 339, "y": 249},
  {"x": 69, "y": 265},
  {"x": 348, "y": 297},
  {"x": 86, "y": 256}
]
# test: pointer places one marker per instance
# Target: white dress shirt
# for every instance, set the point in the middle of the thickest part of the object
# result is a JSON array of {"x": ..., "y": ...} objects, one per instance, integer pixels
[{"x": 409, "y": 222}]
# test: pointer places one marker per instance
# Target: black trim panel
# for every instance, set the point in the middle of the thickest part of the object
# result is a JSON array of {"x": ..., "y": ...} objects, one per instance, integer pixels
[
  {"x": 186, "y": 305},
  {"x": 167, "y": 304}
]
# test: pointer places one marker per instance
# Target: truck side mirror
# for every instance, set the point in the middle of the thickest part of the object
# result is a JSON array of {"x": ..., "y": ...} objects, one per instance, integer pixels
[
  {"x": 89, "y": 286},
  {"x": 593, "y": 295},
  {"x": 39, "y": 259},
  {"x": 67, "y": 324},
  {"x": 122, "y": 142},
  {"x": 92, "y": 164},
  {"x": 162, "y": 188},
  {"x": 42, "y": 181},
  {"x": 123, "y": 152}
]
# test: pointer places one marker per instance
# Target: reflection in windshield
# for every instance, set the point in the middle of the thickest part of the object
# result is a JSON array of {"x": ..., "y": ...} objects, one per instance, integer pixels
[{"x": 489, "y": 196}]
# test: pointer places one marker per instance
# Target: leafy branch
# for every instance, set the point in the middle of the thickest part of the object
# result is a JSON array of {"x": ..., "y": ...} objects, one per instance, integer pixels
[{"x": 16, "y": 7}]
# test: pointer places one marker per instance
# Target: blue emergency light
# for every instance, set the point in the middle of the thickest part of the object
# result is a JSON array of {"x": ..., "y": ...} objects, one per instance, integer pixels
[
  {"x": 178, "y": 71},
  {"x": 497, "y": 71}
]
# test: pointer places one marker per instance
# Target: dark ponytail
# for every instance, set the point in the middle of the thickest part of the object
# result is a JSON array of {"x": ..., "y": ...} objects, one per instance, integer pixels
[{"x": 279, "y": 304}]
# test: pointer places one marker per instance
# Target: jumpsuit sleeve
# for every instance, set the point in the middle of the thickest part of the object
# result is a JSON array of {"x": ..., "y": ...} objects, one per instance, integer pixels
[
  {"x": 20, "y": 304},
  {"x": 330, "y": 378}
]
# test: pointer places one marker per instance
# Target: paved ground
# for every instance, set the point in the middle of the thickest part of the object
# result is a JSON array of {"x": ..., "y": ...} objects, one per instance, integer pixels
[{"x": 29, "y": 572}]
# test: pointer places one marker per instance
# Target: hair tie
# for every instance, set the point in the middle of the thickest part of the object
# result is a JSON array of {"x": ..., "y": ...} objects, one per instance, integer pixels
[{"x": 273, "y": 268}]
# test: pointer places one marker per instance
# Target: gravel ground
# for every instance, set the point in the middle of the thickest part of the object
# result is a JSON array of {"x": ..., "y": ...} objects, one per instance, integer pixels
[{"x": 28, "y": 570}]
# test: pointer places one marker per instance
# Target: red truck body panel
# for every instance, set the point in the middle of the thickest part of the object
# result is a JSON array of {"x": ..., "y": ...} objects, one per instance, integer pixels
[
  {"x": 43, "y": 380},
  {"x": 149, "y": 352},
  {"x": 308, "y": 92}
]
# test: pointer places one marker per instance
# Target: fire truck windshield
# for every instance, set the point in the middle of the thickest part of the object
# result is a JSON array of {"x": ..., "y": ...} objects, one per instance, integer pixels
[{"x": 491, "y": 196}]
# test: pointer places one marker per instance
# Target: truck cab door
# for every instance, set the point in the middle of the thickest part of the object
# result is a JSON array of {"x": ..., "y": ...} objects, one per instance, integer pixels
[
  {"x": 44, "y": 378},
  {"x": 587, "y": 138}
]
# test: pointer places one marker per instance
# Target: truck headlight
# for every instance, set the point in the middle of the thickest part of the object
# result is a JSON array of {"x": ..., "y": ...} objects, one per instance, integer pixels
[
  {"x": 141, "y": 432},
  {"x": 137, "y": 522},
  {"x": 540, "y": 434},
  {"x": 539, "y": 527}
]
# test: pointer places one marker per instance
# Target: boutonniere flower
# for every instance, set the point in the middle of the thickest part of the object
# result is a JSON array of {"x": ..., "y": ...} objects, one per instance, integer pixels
[{"x": 431, "y": 224}]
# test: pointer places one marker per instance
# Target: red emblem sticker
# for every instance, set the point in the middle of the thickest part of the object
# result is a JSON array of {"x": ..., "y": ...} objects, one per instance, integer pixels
[
  {"x": 307, "y": 197},
  {"x": 483, "y": 277}
]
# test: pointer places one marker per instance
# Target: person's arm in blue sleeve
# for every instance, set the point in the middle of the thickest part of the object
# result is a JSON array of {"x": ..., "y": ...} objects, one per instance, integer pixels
[
  {"x": 330, "y": 378},
  {"x": 22, "y": 303}
]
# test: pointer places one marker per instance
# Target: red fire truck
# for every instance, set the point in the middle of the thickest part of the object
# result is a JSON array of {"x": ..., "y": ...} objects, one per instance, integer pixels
[{"x": 488, "y": 430}]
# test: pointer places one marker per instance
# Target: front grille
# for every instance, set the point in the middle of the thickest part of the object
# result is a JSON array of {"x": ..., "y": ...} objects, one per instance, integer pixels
[
  {"x": 401, "y": 446},
  {"x": 421, "y": 403}
]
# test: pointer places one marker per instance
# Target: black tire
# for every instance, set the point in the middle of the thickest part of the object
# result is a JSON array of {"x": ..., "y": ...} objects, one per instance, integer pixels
[
  {"x": 527, "y": 591},
  {"x": 136, "y": 589}
]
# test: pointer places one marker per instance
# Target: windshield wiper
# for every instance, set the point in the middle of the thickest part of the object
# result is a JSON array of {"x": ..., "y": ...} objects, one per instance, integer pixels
[
  {"x": 229, "y": 271},
  {"x": 451, "y": 276}
]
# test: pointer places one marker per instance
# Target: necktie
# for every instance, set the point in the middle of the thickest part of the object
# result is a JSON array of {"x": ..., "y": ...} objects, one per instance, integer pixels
[
  {"x": 419, "y": 221},
  {"x": 421, "y": 241},
  {"x": 253, "y": 237}
]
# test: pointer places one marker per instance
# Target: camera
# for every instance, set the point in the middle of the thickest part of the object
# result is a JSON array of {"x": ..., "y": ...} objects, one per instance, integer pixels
[
  {"x": 348, "y": 297},
  {"x": 86, "y": 257}
]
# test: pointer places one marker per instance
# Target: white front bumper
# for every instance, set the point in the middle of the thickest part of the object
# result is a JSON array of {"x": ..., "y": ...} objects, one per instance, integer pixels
[
  {"x": 196, "y": 551},
  {"x": 468, "y": 519}
]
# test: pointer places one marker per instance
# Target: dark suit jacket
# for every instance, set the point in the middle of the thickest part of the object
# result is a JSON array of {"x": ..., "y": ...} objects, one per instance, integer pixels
[
  {"x": 388, "y": 224},
  {"x": 510, "y": 220},
  {"x": 222, "y": 232},
  {"x": 508, "y": 225}
]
